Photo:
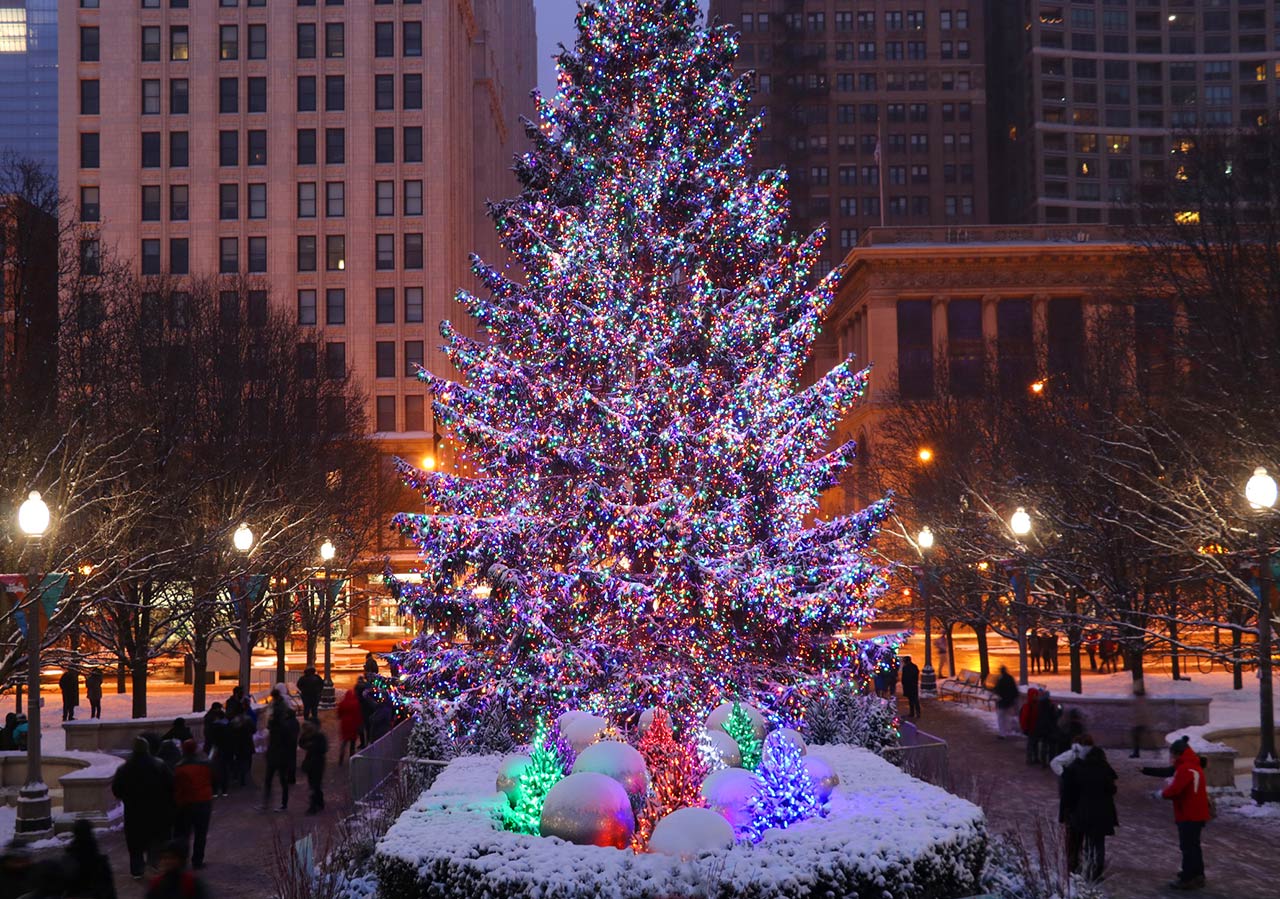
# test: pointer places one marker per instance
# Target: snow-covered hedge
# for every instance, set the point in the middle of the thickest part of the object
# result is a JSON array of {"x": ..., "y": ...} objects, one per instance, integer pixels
[{"x": 885, "y": 835}]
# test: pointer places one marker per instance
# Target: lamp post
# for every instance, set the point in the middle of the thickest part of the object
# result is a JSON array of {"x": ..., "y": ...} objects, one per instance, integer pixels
[
  {"x": 928, "y": 679},
  {"x": 35, "y": 809},
  {"x": 242, "y": 540},
  {"x": 1020, "y": 525},
  {"x": 1260, "y": 491},
  {"x": 327, "y": 697}
]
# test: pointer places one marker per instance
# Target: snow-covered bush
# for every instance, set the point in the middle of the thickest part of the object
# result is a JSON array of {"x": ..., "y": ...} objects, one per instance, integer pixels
[
  {"x": 845, "y": 716},
  {"x": 1032, "y": 864},
  {"x": 884, "y": 834},
  {"x": 431, "y": 738}
]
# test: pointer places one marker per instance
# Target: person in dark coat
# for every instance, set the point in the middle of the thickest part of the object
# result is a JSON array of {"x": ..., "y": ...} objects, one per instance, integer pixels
[
  {"x": 1033, "y": 651},
  {"x": 384, "y": 715},
  {"x": 368, "y": 705},
  {"x": 1049, "y": 649},
  {"x": 179, "y": 732},
  {"x": 145, "y": 786},
  {"x": 1006, "y": 691},
  {"x": 7, "y": 741},
  {"x": 314, "y": 746},
  {"x": 282, "y": 753},
  {"x": 88, "y": 868},
  {"x": 370, "y": 664},
  {"x": 219, "y": 746},
  {"x": 911, "y": 686},
  {"x": 310, "y": 688},
  {"x": 69, "y": 684},
  {"x": 1089, "y": 806},
  {"x": 93, "y": 691},
  {"x": 1045, "y": 734}
]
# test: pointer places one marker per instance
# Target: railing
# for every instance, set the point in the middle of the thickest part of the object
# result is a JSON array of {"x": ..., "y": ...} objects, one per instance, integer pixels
[
  {"x": 371, "y": 766},
  {"x": 920, "y": 754}
]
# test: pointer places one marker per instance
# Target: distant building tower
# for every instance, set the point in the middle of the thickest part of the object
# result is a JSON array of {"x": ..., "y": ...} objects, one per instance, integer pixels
[{"x": 29, "y": 79}]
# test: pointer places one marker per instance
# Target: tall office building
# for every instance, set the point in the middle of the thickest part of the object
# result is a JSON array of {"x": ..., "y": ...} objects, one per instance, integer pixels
[
  {"x": 876, "y": 107},
  {"x": 29, "y": 80},
  {"x": 1088, "y": 98},
  {"x": 342, "y": 151}
]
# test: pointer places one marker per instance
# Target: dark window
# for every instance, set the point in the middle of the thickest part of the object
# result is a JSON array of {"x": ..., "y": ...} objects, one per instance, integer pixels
[
  {"x": 150, "y": 43},
  {"x": 335, "y": 360},
  {"x": 335, "y": 146},
  {"x": 151, "y": 202},
  {"x": 306, "y": 254},
  {"x": 257, "y": 254},
  {"x": 385, "y": 245},
  {"x": 1015, "y": 345},
  {"x": 90, "y": 257},
  {"x": 179, "y": 203},
  {"x": 90, "y": 96},
  {"x": 965, "y": 347},
  {"x": 413, "y": 357},
  {"x": 89, "y": 49},
  {"x": 228, "y": 148},
  {"x": 179, "y": 47},
  {"x": 413, "y": 144},
  {"x": 228, "y": 95},
  {"x": 257, "y": 308},
  {"x": 228, "y": 202},
  {"x": 229, "y": 42},
  {"x": 384, "y": 352},
  {"x": 385, "y": 409},
  {"x": 151, "y": 257},
  {"x": 179, "y": 97},
  {"x": 412, "y": 92},
  {"x": 306, "y": 199},
  {"x": 179, "y": 149},
  {"x": 257, "y": 95},
  {"x": 385, "y": 303},
  {"x": 257, "y": 201},
  {"x": 385, "y": 197},
  {"x": 228, "y": 255},
  {"x": 90, "y": 210},
  {"x": 384, "y": 145},
  {"x": 306, "y": 146},
  {"x": 228, "y": 309},
  {"x": 1153, "y": 321},
  {"x": 413, "y": 304},
  {"x": 384, "y": 91},
  {"x": 384, "y": 39},
  {"x": 334, "y": 40},
  {"x": 413, "y": 251},
  {"x": 335, "y": 199},
  {"x": 151, "y": 149},
  {"x": 89, "y": 155},
  {"x": 307, "y": 312},
  {"x": 413, "y": 198},
  {"x": 335, "y": 253},
  {"x": 307, "y": 355},
  {"x": 307, "y": 41},
  {"x": 257, "y": 41},
  {"x": 335, "y": 93},
  {"x": 307, "y": 93},
  {"x": 415, "y": 418},
  {"x": 915, "y": 349},
  {"x": 412, "y": 38},
  {"x": 257, "y": 148},
  {"x": 1066, "y": 342},
  {"x": 179, "y": 256}
]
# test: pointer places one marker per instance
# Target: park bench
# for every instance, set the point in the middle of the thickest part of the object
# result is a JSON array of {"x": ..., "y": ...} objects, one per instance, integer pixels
[{"x": 968, "y": 687}]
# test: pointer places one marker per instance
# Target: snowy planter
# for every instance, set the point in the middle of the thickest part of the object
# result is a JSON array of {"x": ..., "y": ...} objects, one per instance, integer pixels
[{"x": 884, "y": 834}]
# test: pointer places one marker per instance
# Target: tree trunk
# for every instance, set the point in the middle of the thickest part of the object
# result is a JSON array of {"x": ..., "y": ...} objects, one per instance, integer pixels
[
  {"x": 122, "y": 673},
  {"x": 984, "y": 657},
  {"x": 1134, "y": 658},
  {"x": 200, "y": 667},
  {"x": 141, "y": 649},
  {"x": 1175, "y": 660},
  {"x": 1237, "y": 670},
  {"x": 949, "y": 631},
  {"x": 1073, "y": 642},
  {"x": 282, "y": 640}
]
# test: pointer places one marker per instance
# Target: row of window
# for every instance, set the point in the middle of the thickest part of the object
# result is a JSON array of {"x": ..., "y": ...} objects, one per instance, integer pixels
[
  {"x": 895, "y": 143},
  {"x": 385, "y": 414},
  {"x": 1249, "y": 70},
  {"x": 384, "y": 306},
  {"x": 229, "y": 259},
  {"x": 852, "y": 82},
  {"x": 846, "y": 20},
  {"x": 1120, "y": 19},
  {"x": 869, "y": 175},
  {"x": 1185, "y": 44},
  {"x": 255, "y": 145}
]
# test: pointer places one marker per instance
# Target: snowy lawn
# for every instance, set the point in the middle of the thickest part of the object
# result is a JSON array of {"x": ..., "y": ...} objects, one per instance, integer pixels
[{"x": 884, "y": 833}]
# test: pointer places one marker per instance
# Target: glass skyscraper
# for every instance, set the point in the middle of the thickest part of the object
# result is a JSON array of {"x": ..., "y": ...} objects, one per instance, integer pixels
[{"x": 29, "y": 80}]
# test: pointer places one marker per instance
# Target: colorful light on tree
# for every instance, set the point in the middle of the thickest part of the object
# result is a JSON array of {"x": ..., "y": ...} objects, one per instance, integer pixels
[
  {"x": 642, "y": 463},
  {"x": 786, "y": 791},
  {"x": 739, "y": 726},
  {"x": 677, "y": 772},
  {"x": 544, "y": 770}
]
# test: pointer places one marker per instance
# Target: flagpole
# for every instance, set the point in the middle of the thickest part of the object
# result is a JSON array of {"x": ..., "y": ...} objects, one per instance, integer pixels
[{"x": 880, "y": 168}]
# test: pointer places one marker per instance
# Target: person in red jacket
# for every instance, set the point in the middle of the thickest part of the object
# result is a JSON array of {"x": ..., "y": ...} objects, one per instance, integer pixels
[
  {"x": 350, "y": 720},
  {"x": 1190, "y": 795},
  {"x": 193, "y": 798}
]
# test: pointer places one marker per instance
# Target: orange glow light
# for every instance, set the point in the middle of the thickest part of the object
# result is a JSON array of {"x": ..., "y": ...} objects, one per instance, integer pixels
[{"x": 925, "y": 455}]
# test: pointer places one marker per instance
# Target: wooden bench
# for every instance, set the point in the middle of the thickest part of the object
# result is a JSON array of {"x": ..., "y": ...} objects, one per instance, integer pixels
[{"x": 969, "y": 687}]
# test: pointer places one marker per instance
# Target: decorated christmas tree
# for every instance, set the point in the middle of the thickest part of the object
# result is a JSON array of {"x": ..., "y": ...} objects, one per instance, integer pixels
[
  {"x": 677, "y": 771},
  {"x": 545, "y": 769},
  {"x": 738, "y": 725},
  {"x": 786, "y": 793},
  {"x": 634, "y": 520}
]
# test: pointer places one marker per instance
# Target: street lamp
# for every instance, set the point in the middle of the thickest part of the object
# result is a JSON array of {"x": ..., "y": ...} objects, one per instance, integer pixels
[
  {"x": 1260, "y": 491},
  {"x": 328, "y": 699},
  {"x": 1020, "y": 525},
  {"x": 928, "y": 679},
  {"x": 35, "y": 808},
  {"x": 242, "y": 540}
]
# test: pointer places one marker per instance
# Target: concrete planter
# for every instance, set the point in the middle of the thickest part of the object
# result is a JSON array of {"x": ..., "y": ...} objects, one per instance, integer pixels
[
  {"x": 83, "y": 778},
  {"x": 98, "y": 735},
  {"x": 1110, "y": 719}
]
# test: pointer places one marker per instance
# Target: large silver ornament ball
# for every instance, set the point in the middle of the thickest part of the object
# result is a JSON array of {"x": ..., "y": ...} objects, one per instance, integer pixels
[
  {"x": 726, "y": 747},
  {"x": 619, "y": 761},
  {"x": 509, "y": 772},
  {"x": 580, "y": 728},
  {"x": 730, "y": 793},
  {"x": 719, "y": 715},
  {"x": 794, "y": 736},
  {"x": 589, "y": 809},
  {"x": 689, "y": 832},
  {"x": 645, "y": 722},
  {"x": 823, "y": 776}
]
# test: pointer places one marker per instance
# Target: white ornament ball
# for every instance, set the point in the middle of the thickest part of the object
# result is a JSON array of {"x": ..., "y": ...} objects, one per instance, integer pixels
[
  {"x": 580, "y": 728},
  {"x": 727, "y": 748},
  {"x": 717, "y": 718},
  {"x": 588, "y": 809},
  {"x": 730, "y": 793},
  {"x": 511, "y": 769},
  {"x": 619, "y": 761},
  {"x": 794, "y": 736},
  {"x": 646, "y": 720},
  {"x": 823, "y": 776},
  {"x": 689, "y": 832}
]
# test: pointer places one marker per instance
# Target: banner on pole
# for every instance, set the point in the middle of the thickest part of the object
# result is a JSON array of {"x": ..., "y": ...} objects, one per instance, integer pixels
[{"x": 14, "y": 589}]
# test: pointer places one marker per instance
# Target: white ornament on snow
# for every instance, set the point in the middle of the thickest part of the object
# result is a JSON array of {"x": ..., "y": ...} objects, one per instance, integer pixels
[
  {"x": 717, "y": 718},
  {"x": 646, "y": 719},
  {"x": 794, "y": 736},
  {"x": 580, "y": 728},
  {"x": 588, "y": 809},
  {"x": 823, "y": 776},
  {"x": 512, "y": 767},
  {"x": 731, "y": 793},
  {"x": 726, "y": 747},
  {"x": 618, "y": 761},
  {"x": 689, "y": 832}
]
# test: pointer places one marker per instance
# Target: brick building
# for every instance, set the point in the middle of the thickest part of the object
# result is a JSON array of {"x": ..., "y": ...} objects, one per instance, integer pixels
[
  {"x": 839, "y": 78},
  {"x": 341, "y": 150},
  {"x": 1089, "y": 99},
  {"x": 28, "y": 304}
]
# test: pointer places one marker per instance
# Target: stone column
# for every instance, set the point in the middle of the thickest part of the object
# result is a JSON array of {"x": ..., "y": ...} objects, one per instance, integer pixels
[{"x": 1040, "y": 331}]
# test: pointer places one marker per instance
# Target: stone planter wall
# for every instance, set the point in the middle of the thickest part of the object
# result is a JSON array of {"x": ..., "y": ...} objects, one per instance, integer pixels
[{"x": 1110, "y": 719}]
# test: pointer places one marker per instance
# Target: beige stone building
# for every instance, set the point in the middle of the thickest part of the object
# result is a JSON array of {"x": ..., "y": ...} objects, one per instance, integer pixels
[{"x": 341, "y": 149}]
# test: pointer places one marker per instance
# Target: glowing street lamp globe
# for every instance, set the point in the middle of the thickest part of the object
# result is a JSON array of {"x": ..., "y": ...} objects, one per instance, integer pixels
[
  {"x": 33, "y": 515},
  {"x": 1260, "y": 491},
  {"x": 925, "y": 539},
  {"x": 242, "y": 539},
  {"x": 327, "y": 551},
  {"x": 1020, "y": 522}
]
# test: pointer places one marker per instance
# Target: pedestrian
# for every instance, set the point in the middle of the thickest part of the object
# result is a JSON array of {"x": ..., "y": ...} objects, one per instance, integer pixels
[
  {"x": 240, "y": 742},
  {"x": 368, "y": 705},
  {"x": 1089, "y": 795},
  {"x": 1107, "y": 651},
  {"x": 1033, "y": 651},
  {"x": 176, "y": 880},
  {"x": 1046, "y": 729},
  {"x": 314, "y": 746},
  {"x": 20, "y": 727},
  {"x": 310, "y": 688},
  {"x": 1006, "y": 691},
  {"x": 145, "y": 787},
  {"x": 1091, "y": 647},
  {"x": 7, "y": 742},
  {"x": 370, "y": 664},
  {"x": 1141, "y": 718},
  {"x": 282, "y": 752},
  {"x": 193, "y": 801},
  {"x": 93, "y": 690},
  {"x": 219, "y": 746},
  {"x": 894, "y": 674},
  {"x": 1027, "y": 720},
  {"x": 911, "y": 686},
  {"x": 88, "y": 868},
  {"x": 350, "y": 723},
  {"x": 1049, "y": 646},
  {"x": 69, "y": 684},
  {"x": 1190, "y": 794},
  {"x": 384, "y": 715},
  {"x": 15, "y": 871},
  {"x": 178, "y": 732}
]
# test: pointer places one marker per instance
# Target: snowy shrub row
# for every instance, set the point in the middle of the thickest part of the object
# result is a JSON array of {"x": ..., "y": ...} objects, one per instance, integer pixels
[
  {"x": 849, "y": 717},
  {"x": 885, "y": 834}
]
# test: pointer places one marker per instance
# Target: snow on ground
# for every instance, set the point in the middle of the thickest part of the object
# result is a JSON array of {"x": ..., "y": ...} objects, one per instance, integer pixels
[{"x": 163, "y": 701}]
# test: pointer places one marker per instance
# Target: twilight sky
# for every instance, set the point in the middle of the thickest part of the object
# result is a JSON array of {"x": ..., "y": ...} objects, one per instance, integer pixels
[{"x": 555, "y": 26}]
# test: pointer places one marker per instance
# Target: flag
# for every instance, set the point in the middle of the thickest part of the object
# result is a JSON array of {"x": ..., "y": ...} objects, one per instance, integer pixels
[{"x": 876, "y": 155}]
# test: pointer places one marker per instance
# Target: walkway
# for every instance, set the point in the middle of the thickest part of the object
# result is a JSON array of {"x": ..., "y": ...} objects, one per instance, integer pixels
[{"x": 1240, "y": 854}]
